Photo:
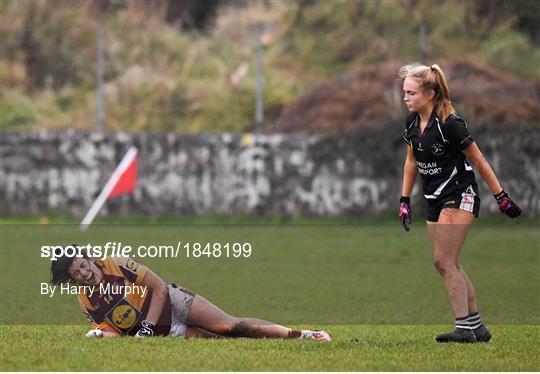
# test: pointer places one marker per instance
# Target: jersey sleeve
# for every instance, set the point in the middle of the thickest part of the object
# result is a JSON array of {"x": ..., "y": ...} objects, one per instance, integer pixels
[
  {"x": 409, "y": 123},
  {"x": 406, "y": 138},
  {"x": 95, "y": 321},
  {"x": 455, "y": 129},
  {"x": 131, "y": 270}
]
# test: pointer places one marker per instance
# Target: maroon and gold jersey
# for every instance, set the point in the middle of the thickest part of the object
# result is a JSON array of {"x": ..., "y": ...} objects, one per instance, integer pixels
[{"x": 110, "y": 308}]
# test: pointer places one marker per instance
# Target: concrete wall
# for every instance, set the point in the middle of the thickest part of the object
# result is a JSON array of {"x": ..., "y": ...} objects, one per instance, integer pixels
[{"x": 275, "y": 174}]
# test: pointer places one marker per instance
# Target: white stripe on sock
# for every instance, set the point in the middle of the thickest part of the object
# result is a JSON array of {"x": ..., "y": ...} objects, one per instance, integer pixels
[
  {"x": 463, "y": 326},
  {"x": 474, "y": 321}
]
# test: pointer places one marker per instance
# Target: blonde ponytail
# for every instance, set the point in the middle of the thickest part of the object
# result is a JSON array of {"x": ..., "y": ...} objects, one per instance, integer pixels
[{"x": 443, "y": 105}]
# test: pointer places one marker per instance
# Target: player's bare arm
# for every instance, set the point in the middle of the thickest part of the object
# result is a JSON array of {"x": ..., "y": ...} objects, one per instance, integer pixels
[
  {"x": 409, "y": 173},
  {"x": 506, "y": 205},
  {"x": 159, "y": 293},
  {"x": 409, "y": 177},
  {"x": 478, "y": 160}
]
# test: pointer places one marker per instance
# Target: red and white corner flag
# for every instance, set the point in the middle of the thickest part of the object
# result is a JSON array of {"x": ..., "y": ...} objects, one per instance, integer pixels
[{"x": 122, "y": 181}]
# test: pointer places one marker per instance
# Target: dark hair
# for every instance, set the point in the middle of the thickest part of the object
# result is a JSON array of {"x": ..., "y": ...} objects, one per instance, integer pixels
[{"x": 60, "y": 267}]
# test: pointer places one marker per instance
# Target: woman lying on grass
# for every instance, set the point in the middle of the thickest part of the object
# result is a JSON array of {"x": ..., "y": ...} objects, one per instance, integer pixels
[{"x": 122, "y": 297}]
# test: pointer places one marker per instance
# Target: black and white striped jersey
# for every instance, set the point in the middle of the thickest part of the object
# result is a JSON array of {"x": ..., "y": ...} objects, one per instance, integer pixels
[{"x": 439, "y": 157}]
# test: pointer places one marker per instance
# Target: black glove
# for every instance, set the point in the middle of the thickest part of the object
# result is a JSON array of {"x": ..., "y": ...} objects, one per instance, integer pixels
[
  {"x": 146, "y": 331},
  {"x": 405, "y": 212},
  {"x": 506, "y": 205}
]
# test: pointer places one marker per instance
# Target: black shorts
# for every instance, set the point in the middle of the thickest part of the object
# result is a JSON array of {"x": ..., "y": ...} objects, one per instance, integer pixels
[{"x": 467, "y": 200}]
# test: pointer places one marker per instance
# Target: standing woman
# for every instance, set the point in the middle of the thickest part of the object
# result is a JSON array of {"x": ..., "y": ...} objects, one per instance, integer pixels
[{"x": 442, "y": 150}]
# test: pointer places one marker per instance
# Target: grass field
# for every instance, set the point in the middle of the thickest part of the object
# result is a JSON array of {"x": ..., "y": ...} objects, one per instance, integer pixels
[
  {"x": 372, "y": 286},
  {"x": 355, "y": 348}
]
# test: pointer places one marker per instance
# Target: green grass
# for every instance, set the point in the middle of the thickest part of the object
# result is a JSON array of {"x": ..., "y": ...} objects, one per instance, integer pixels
[
  {"x": 387, "y": 218},
  {"x": 369, "y": 283},
  {"x": 355, "y": 348}
]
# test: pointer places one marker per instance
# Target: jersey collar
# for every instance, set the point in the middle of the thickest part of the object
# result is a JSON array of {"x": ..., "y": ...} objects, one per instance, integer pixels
[{"x": 431, "y": 121}]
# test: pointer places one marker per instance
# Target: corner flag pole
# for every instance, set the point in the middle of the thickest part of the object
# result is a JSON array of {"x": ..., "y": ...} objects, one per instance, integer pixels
[{"x": 109, "y": 186}]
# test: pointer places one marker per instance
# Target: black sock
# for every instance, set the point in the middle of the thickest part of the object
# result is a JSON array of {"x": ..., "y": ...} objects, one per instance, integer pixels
[
  {"x": 462, "y": 323},
  {"x": 474, "y": 320}
]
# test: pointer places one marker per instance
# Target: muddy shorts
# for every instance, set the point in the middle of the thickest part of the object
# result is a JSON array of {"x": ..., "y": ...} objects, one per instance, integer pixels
[
  {"x": 467, "y": 200},
  {"x": 181, "y": 300}
]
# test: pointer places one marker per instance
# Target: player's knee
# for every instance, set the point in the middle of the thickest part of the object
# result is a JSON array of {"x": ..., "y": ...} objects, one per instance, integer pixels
[{"x": 441, "y": 266}]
